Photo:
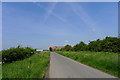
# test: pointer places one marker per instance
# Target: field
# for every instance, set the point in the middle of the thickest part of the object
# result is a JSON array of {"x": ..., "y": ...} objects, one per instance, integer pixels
[
  {"x": 105, "y": 61},
  {"x": 0, "y": 71},
  {"x": 0, "y": 64},
  {"x": 32, "y": 67}
]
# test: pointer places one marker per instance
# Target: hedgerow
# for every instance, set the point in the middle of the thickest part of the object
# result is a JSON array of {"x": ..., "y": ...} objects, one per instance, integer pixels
[
  {"x": 109, "y": 44},
  {"x": 18, "y": 53}
]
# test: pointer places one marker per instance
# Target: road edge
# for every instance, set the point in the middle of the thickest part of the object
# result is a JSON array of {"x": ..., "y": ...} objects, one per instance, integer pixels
[{"x": 88, "y": 65}]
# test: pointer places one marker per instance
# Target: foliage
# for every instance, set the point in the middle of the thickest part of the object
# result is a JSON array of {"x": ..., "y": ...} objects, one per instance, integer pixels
[
  {"x": 109, "y": 44},
  {"x": 45, "y": 50},
  {"x": 105, "y": 61},
  {"x": 67, "y": 48},
  {"x": 32, "y": 67},
  {"x": 80, "y": 47},
  {"x": 50, "y": 49},
  {"x": 18, "y": 53}
]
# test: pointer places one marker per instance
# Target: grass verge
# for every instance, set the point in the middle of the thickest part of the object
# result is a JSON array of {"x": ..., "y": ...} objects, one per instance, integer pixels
[
  {"x": 33, "y": 67},
  {"x": 105, "y": 61}
]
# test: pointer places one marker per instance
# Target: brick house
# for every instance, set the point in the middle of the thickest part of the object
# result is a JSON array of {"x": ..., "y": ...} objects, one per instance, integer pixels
[{"x": 55, "y": 48}]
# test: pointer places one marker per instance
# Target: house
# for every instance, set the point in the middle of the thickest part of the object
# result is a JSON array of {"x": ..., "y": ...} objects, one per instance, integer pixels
[
  {"x": 56, "y": 48},
  {"x": 39, "y": 50}
]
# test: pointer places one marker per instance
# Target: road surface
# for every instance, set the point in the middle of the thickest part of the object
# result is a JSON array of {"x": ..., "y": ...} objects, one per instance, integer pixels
[{"x": 63, "y": 67}]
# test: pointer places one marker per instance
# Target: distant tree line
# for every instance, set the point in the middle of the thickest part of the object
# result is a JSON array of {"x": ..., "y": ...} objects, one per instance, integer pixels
[
  {"x": 109, "y": 44},
  {"x": 18, "y": 53}
]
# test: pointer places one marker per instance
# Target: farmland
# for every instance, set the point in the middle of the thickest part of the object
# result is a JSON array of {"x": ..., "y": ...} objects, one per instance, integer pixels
[
  {"x": 105, "y": 61},
  {"x": 32, "y": 67}
]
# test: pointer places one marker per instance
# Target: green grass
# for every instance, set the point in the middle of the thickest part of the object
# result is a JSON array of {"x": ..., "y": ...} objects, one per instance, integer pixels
[
  {"x": 105, "y": 61},
  {"x": 0, "y": 65},
  {"x": 33, "y": 67},
  {"x": 0, "y": 71}
]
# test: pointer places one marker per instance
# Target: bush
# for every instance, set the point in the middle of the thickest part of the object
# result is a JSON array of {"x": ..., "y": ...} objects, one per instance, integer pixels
[
  {"x": 80, "y": 47},
  {"x": 67, "y": 48},
  {"x": 18, "y": 53},
  {"x": 109, "y": 44}
]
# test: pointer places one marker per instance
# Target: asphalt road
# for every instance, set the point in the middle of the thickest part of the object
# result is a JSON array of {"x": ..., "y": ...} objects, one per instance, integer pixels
[{"x": 62, "y": 67}]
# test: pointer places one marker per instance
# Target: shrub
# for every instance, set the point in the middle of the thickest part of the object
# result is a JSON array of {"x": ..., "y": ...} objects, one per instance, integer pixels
[
  {"x": 18, "y": 53},
  {"x": 109, "y": 44}
]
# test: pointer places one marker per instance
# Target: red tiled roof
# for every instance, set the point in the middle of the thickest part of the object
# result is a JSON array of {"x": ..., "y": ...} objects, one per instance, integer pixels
[{"x": 53, "y": 47}]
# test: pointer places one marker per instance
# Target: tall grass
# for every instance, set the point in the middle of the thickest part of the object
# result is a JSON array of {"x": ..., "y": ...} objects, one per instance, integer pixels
[
  {"x": 0, "y": 71},
  {"x": 0, "y": 65},
  {"x": 105, "y": 61},
  {"x": 32, "y": 67}
]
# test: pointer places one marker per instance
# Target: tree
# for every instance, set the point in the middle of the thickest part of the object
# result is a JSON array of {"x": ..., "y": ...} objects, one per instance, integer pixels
[
  {"x": 67, "y": 48},
  {"x": 50, "y": 49},
  {"x": 109, "y": 44},
  {"x": 80, "y": 47}
]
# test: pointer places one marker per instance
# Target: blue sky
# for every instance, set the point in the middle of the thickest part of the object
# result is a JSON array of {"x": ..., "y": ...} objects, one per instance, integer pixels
[
  {"x": 42, "y": 24},
  {"x": 0, "y": 26}
]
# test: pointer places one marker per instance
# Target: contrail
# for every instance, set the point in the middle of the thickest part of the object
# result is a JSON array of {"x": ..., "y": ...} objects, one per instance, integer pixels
[
  {"x": 78, "y": 10},
  {"x": 51, "y": 12}
]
